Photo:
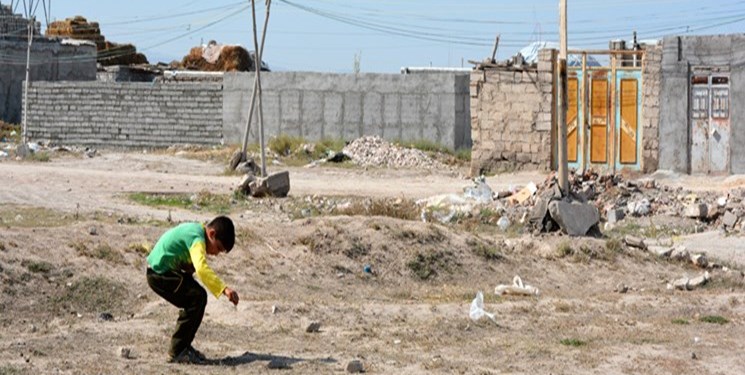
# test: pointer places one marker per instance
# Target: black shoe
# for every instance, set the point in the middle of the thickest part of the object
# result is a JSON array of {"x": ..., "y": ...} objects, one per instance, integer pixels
[
  {"x": 197, "y": 353},
  {"x": 187, "y": 356}
]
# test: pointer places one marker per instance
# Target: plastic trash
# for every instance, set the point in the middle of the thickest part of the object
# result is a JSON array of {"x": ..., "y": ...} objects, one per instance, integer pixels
[
  {"x": 477, "y": 309},
  {"x": 722, "y": 201},
  {"x": 481, "y": 193},
  {"x": 638, "y": 208},
  {"x": 34, "y": 147},
  {"x": 517, "y": 288},
  {"x": 503, "y": 223}
]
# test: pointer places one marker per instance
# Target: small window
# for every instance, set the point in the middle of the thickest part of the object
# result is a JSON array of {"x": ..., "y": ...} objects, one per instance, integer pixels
[{"x": 719, "y": 80}]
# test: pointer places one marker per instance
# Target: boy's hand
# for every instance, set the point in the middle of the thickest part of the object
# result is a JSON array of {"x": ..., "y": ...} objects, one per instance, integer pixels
[{"x": 232, "y": 295}]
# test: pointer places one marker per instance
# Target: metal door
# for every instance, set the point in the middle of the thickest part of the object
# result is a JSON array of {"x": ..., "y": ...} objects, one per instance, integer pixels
[
  {"x": 719, "y": 133},
  {"x": 699, "y": 123},
  {"x": 574, "y": 131},
  {"x": 599, "y": 119},
  {"x": 709, "y": 121},
  {"x": 628, "y": 114}
]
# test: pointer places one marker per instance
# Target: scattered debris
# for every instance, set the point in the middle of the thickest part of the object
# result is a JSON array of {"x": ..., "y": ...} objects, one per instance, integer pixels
[
  {"x": 621, "y": 288},
  {"x": 126, "y": 353},
  {"x": 517, "y": 288},
  {"x": 93, "y": 231},
  {"x": 477, "y": 309},
  {"x": 355, "y": 367},
  {"x": 635, "y": 242},
  {"x": 313, "y": 327},
  {"x": 275, "y": 185},
  {"x": 481, "y": 193},
  {"x": 699, "y": 260},
  {"x": 105, "y": 317},
  {"x": 689, "y": 284},
  {"x": 524, "y": 194}
]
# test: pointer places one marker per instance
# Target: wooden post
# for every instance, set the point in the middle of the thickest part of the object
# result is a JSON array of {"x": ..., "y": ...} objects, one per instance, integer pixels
[
  {"x": 256, "y": 82},
  {"x": 494, "y": 51},
  {"x": 562, "y": 93},
  {"x": 24, "y": 131},
  {"x": 257, "y": 64},
  {"x": 584, "y": 124}
]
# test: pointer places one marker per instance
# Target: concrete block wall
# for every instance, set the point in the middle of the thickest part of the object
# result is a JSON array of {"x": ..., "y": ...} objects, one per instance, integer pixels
[
  {"x": 679, "y": 55},
  {"x": 431, "y": 107},
  {"x": 50, "y": 61},
  {"x": 511, "y": 118},
  {"x": 125, "y": 114},
  {"x": 650, "y": 121}
]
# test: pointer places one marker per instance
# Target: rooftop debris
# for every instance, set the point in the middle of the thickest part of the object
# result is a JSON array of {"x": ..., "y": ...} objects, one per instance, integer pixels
[{"x": 109, "y": 53}]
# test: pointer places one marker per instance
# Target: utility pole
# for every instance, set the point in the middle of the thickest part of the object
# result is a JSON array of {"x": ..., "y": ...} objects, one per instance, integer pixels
[
  {"x": 561, "y": 122},
  {"x": 257, "y": 66},
  {"x": 24, "y": 131}
]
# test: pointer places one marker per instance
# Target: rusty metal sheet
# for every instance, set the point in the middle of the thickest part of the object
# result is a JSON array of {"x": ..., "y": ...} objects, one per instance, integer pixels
[
  {"x": 719, "y": 129},
  {"x": 629, "y": 120},
  {"x": 599, "y": 120},
  {"x": 699, "y": 127},
  {"x": 572, "y": 119}
]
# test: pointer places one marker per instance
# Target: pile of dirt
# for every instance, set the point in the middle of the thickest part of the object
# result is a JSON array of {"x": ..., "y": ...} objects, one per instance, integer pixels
[
  {"x": 374, "y": 151},
  {"x": 215, "y": 57},
  {"x": 109, "y": 53}
]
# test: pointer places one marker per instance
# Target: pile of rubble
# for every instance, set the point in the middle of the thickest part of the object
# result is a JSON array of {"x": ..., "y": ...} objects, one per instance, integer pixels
[
  {"x": 215, "y": 57},
  {"x": 374, "y": 151},
  {"x": 592, "y": 199},
  {"x": 108, "y": 53}
]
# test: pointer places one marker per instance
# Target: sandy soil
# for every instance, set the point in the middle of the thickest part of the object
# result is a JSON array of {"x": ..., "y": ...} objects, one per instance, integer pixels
[{"x": 410, "y": 315}]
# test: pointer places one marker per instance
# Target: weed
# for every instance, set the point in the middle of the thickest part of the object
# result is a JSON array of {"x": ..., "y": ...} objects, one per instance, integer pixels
[
  {"x": 284, "y": 145},
  {"x": 486, "y": 250},
  {"x": 614, "y": 245},
  {"x": 91, "y": 295},
  {"x": 463, "y": 154},
  {"x": 357, "y": 249},
  {"x": 139, "y": 248},
  {"x": 219, "y": 203},
  {"x": 41, "y": 157},
  {"x": 714, "y": 319},
  {"x": 564, "y": 249},
  {"x": 37, "y": 267},
  {"x": 2, "y": 246},
  {"x": 24, "y": 216},
  {"x": 9, "y": 370},
  {"x": 245, "y": 235},
  {"x": 10, "y": 132},
  {"x": 427, "y": 265},
  {"x": 404, "y": 209},
  {"x": 573, "y": 342},
  {"x": 102, "y": 251},
  {"x": 680, "y": 321}
]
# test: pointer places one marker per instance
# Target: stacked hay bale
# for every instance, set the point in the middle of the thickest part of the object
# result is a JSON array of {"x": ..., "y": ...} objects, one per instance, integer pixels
[
  {"x": 218, "y": 58},
  {"x": 108, "y": 53}
]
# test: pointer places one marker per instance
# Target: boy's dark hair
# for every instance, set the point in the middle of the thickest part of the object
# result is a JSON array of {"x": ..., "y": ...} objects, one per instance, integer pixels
[{"x": 224, "y": 231}]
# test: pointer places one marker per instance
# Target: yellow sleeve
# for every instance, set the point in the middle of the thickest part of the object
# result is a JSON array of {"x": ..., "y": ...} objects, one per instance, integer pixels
[{"x": 198, "y": 254}]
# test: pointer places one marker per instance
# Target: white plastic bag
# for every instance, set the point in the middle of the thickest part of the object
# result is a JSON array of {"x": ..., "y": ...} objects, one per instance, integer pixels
[{"x": 477, "y": 309}]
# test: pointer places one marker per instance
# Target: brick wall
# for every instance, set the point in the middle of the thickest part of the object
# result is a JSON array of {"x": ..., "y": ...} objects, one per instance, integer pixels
[
  {"x": 125, "y": 114},
  {"x": 651, "y": 79},
  {"x": 511, "y": 118}
]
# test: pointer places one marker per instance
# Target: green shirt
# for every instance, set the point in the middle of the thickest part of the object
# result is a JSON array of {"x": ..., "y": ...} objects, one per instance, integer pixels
[{"x": 182, "y": 246}]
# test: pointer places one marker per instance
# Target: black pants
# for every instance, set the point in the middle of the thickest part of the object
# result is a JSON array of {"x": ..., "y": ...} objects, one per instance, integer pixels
[{"x": 182, "y": 291}]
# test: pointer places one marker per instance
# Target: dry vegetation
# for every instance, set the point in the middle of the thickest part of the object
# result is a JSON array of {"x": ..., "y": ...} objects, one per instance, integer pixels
[{"x": 387, "y": 288}]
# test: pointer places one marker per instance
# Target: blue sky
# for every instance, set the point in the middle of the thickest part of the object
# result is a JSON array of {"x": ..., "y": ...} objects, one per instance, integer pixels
[{"x": 326, "y": 35}]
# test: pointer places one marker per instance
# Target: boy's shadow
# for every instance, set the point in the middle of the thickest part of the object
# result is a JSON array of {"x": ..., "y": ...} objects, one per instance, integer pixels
[{"x": 275, "y": 361}]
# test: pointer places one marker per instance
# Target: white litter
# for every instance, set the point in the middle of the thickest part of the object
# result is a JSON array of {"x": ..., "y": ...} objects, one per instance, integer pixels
[
  {"x": 517, "y": 288},
  {"x": 477, "y": 309}
]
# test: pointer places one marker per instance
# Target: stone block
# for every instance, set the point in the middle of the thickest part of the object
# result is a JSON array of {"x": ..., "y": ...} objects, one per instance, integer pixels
[
  {"x": 695, "y": 210},
  {"x": 575, "y": 219}
]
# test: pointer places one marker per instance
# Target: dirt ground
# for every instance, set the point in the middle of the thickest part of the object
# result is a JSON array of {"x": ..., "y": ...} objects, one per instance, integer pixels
[{"x": 72, "y": 270}]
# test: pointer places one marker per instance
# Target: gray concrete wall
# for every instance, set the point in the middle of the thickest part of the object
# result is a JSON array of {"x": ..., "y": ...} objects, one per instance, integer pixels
[
  {"x": 50, "y": 61},
  {"x": 431, "y": 107},
  {"x": 125, "y": 114},
  {"x": 679, "y": 55}
]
